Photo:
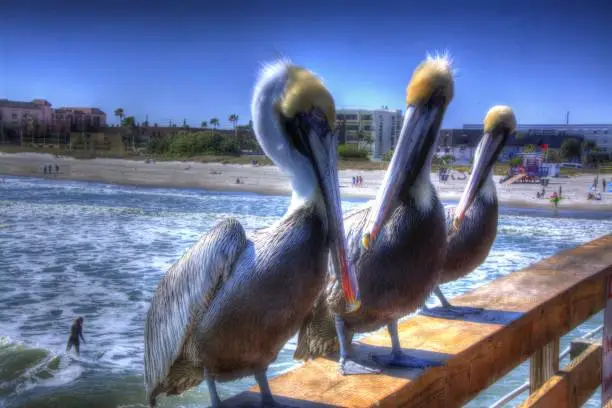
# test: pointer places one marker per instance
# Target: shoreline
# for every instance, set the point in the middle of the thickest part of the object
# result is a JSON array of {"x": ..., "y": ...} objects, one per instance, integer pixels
[{"x": 268, "y": 180}]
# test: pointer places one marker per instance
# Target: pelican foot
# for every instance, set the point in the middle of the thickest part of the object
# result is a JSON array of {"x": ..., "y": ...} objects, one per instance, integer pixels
[
  {"x": 403, "y": 360},
  {"x": 451, "y": 312},
  {"x": 351, "y": 367}
]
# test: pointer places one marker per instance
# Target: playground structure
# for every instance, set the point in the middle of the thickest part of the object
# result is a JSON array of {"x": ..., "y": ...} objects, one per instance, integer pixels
[{"x": 533, "y": 170}]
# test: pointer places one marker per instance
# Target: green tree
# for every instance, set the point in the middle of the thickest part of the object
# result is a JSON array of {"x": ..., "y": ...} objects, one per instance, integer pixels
[
  {"x": 365, "y": 137},
  {"x": 204, "y": 124},
  {"x": 530, "y": 148},
  {"x": 214, "y": 122},
  {"x": 129, "y": 123},
  {"x": 120, "y": 114},
  {"x": 387, "y": 156},
  {"x": 234, "y": 119},
  {"x": 570, "y": 149},
  {"x": 589, "y": 145}
]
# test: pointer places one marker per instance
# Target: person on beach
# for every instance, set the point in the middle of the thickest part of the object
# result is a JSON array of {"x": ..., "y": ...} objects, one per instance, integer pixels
[
  {"x": 76, "y": 332},
  {"x": 603, "y": 185}
]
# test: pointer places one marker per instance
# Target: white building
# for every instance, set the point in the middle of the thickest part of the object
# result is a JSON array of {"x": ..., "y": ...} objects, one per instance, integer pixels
[
  {"x": 381, "y": 125},
  {"x": 600, "y": 134}
]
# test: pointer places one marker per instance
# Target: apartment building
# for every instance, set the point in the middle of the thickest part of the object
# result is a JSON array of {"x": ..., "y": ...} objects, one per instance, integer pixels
[{"x": 381, "y": 125}]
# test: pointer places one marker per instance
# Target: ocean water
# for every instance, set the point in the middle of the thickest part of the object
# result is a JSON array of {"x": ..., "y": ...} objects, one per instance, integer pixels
[{"x": 72, "y": 249}]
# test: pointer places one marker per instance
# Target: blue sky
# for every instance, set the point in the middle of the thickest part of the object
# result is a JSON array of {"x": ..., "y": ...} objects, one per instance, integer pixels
[{"x": 178, "y": 60}]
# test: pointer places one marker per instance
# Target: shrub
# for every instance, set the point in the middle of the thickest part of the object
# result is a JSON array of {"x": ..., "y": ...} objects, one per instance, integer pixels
[{"x": 351, "y": 151}]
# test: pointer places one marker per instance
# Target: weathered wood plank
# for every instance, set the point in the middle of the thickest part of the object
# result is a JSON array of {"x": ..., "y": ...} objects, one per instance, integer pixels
[
  {"x": 573, "y": 385},
  {"x": 524, "y": 311}
]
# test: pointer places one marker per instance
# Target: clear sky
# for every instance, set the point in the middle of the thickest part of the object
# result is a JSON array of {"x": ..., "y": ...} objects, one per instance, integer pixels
[{"x": 196, "y": 60}]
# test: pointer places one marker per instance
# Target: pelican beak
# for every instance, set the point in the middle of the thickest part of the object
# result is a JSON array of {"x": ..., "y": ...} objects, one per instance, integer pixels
[
  {"x": 323, "y": 144},
  {"x": 500, "y": 122},
  {"x": 428, "y": 94},
  {"x": 311, "y": 127}
]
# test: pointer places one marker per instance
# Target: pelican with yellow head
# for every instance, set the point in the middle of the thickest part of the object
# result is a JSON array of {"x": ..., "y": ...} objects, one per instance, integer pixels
[
  {"x": 397, "y": 242},
  {"x": 473, "y": 223},
  {"x": 228, "y": 306}
]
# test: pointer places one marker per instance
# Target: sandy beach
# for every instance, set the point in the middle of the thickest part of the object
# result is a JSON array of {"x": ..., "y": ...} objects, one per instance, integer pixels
[{"x": 269, "y": 179}]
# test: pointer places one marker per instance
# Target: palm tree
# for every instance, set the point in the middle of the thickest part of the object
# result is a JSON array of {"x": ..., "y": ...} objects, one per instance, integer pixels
[
  {"x": 214, "y": 122},
  {"x": 120, "y": 114},
  {"x": 204, "y": 124},
  {"x": 234, "y": 119}
]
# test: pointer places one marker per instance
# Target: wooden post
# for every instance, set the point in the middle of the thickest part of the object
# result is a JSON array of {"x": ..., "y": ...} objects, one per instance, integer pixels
[
  {"x": 578, "y": 346},
  {"x": 543, "y": 364}
]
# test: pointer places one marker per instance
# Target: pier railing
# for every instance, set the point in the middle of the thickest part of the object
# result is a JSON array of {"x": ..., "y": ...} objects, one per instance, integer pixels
[{"x": 526, "y": 313}]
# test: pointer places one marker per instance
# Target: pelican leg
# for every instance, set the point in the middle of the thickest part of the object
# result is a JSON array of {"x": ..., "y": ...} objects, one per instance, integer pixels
[
  {"x": 267, "y": 400},
  {"x": 398, "y": 358},
  {"x": 215, "y": 401},
  {"x": 447, "y": 310},
  {"x": 348, "y": 365}
]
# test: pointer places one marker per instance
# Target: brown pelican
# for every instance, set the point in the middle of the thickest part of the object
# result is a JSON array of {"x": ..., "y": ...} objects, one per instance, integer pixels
[
  {"x": 228, "y": 306},
  {"x": 404, "y": 238},
  {"x": 473, "y": 223}
]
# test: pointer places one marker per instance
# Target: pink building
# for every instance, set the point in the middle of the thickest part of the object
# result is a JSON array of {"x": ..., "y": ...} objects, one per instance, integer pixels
[
  {"x": 81, "y": 118},
  {"x": 15, "y": 113}
]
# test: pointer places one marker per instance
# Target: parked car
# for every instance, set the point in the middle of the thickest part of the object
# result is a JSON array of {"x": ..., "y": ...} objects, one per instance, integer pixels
[{"x": 571, "y": 165}]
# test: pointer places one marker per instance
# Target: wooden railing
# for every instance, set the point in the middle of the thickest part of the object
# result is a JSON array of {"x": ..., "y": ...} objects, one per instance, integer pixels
[{"x": 525, "y": 314}]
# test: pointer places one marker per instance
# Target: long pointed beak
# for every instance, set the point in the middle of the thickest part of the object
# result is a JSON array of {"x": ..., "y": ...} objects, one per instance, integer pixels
[
  {"x": 417, "y": 137},
  {"x": 323, "y": 145},
  {"x": 483, "y": 164}
]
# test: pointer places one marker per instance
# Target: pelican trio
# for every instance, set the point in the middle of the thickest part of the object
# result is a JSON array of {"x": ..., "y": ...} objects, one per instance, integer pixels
[{"x": 228, "y": 306}]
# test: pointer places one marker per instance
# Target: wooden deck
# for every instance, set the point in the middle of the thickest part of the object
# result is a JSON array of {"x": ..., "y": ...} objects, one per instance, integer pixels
[{"x": 524, "y": 311}]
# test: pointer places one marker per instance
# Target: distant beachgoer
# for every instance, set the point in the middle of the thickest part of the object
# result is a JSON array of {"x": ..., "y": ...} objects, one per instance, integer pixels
[
  {"x": 360, "y": 180},
  {"x": 76, "y": 332},
  {"x": 45, "y": 169},
  {"x": 354, "y": 180},
  {"x": 57, "y": 168},
  {"x": 560, "y": 191},
  {"x": 554, "y": 199},
  {"x": 237, "y": 180},
  {"x": 603, "y": 185}
]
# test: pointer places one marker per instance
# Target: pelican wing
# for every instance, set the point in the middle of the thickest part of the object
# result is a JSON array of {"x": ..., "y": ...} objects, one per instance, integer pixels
[{"x": 184, "y": 295}]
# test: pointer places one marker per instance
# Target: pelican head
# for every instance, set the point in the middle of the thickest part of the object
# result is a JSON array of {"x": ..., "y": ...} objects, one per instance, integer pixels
[
  {"x": 429, "y": 92},
  {"x": 293, "y": 114},
  {"x": 499, "y": 124}
]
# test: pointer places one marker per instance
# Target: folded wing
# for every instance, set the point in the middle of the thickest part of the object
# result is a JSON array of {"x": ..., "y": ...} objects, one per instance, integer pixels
[{"x": 183, "y": 297}]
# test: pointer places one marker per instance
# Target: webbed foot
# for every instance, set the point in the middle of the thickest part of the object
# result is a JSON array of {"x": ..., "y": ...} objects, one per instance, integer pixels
[
  {"x": 403, "y": 360},
  {"x": 349, "y": 366},
  {"x": 451, "y": 312}
]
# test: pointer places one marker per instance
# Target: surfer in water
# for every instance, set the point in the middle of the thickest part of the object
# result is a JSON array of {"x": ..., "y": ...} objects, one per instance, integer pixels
[{"x": 76, "y": 332}]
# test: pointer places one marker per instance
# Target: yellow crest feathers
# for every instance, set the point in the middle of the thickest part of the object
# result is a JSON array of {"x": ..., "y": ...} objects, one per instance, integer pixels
[
  {"x": 305, "y": 91},
  {"x": 499, "y": 115},
  {"x": 433, "y": 74}
]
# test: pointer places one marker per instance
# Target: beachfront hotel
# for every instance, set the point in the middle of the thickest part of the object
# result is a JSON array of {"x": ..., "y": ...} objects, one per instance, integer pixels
[
  {"x": 15, "y": 114},
  {"x": 600, "y": 134},
  {"x": 382, "y": 125}
]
